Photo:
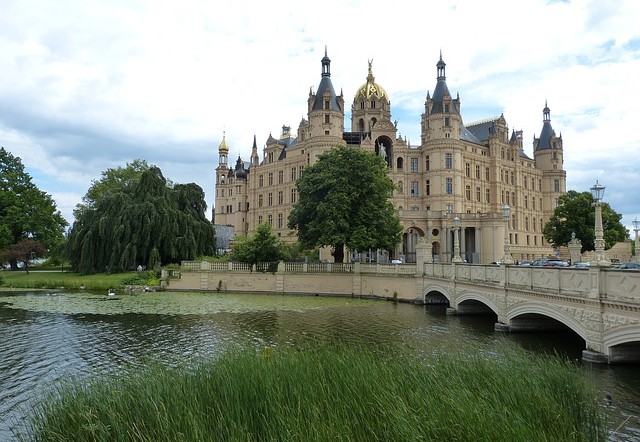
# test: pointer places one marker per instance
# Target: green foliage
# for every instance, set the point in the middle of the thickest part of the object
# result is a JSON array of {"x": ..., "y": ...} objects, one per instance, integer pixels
[
  {"x": 25, "y": 210},
  {"x": 262, "y": 246},
  {"x": 112, "y": 181},
  {"x": 147, "y": 277},
  {"x": 172, "y": 266},
  {"x": 327, "y": 393},
  {"x": 344, "y": 200},
  {"x": 147, "y": 223},
  {"x": 575, "y": 214},
  {"x": 297, "y": 252},
  {"x": 213, "y": 259}
]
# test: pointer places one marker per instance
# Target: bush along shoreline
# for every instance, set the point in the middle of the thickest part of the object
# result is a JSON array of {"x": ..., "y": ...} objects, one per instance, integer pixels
[{"x": 329, "y": 392}]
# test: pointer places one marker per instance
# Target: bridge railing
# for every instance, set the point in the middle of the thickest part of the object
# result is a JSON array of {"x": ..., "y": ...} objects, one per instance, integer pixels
[
  {"x": 299, "y": 267},
  {"x": 615, "y": 285}
]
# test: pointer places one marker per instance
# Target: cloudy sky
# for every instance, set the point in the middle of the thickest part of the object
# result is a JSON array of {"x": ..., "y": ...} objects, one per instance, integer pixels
[{"x": 87, "y": 85}]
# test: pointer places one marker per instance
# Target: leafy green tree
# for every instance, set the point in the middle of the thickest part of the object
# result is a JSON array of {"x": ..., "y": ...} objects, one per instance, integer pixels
[
  {"x": 344, "y": 200},
  {"x": 142, "y": 223},
  {"x": 25, "y": 210},
  {"x": 24, "y": 251},
  {"x": 118, "y": 179},
  {"x": 575, "y": 214},
  {"x": 262, "y": 246}
]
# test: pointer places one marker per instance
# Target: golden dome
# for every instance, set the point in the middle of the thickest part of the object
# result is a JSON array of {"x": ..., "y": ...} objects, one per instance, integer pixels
[
  {"x": 223, "y": 144},
  {"x": 371, "y": 89}
]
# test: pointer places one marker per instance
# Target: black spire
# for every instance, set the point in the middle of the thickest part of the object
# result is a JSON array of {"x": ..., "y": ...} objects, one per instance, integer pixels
[
  {"x": 326, "y": 86},
  {"x": 441, "y": 64},
  {"x": 546, "y": 113},
  {"x": 326, "y": 64}
]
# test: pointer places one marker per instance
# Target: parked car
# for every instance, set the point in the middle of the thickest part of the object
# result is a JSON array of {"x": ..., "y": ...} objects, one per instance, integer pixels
[
  {"x": 549, "y": 262},
  {"x": 629, "y": 266},
  {"x": 581, "y": 265}
]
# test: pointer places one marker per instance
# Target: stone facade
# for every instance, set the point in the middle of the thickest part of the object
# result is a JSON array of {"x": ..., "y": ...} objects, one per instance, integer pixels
[{"x": 457, "y": 170}]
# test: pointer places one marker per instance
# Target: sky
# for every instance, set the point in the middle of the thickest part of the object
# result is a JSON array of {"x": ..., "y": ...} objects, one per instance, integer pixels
[{"x": 89, "y": 85}]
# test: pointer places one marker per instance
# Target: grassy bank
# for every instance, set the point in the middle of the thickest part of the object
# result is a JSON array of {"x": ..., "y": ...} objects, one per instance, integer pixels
[
  {"x": 54, "y": 279},
  {"x": 330, "y": 393}
]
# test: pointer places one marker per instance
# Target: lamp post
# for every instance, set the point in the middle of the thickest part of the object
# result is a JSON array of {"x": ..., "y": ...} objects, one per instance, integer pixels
[
  {"x": 456, "y": 240},
  {"x": 599, "y": 258},
  {"x": 636, "y": 227},
  {"x": 506, "y": 215}
]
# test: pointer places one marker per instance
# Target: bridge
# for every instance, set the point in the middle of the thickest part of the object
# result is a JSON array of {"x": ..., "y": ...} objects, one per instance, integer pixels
[{"x": 601, "y": 305}]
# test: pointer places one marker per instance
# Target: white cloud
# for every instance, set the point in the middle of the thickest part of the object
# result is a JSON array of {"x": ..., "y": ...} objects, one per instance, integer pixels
[{"x": 89, "y": 85}]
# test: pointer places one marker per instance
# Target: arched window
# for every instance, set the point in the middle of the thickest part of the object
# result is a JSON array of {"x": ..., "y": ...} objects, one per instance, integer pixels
[
  {"x": 399, "y": 163},
  {"x": 361, "y": 123}
]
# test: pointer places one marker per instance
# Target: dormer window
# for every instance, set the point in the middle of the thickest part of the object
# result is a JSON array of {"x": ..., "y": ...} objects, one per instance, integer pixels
[
  {"x": 326, "y": 104},
  {"x": 446, "y": 109}
]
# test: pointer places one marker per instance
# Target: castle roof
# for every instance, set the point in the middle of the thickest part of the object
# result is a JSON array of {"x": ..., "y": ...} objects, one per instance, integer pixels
[
  {"x": 326, "y": 86},
  {"x": 441, "y": 91},
  {"x": 544, "y": 142}
]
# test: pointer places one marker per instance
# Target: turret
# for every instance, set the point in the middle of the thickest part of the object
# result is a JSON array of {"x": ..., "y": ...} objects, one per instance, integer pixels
[
  {"x": 255, "y": 160},
  {"x": 441, "y": 117},
  {"x": 547, "y": 149},
  {"x": 222, "y": 169},
  {"x": 223, "y": 151},
  {"x": 325, "y": 108},
  {"x": 548, "y": 155}
]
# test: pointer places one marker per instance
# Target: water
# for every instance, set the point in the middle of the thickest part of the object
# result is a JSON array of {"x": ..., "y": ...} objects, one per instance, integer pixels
[{"x": 47, "y": 337}]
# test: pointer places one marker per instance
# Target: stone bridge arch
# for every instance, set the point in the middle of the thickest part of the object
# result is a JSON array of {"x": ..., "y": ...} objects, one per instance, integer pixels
[
  {"x": 427, "y": 297},
  {"x": 487, "y": 301},
  {"x": 622, "y": 344},
  {"x": 622, "y": 335},
  {"x": 549, "y": 311}
]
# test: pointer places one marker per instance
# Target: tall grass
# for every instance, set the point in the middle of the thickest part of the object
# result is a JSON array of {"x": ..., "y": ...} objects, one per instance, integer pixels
[
  {"x": 330, "y": 393},
  {"x": 53, "y": 280}
]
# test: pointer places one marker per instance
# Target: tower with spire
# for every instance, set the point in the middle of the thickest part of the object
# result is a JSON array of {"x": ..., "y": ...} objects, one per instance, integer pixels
[
  {"x": 325, "y": 111},
  {"x": 549, "y": 158}
]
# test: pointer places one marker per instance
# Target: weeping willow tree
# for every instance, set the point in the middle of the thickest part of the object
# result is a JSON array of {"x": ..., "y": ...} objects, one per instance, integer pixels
[{"x": 147, "y": 223}]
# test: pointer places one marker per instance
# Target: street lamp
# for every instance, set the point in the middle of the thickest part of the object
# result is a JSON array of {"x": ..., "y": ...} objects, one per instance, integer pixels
[
  {"x": 636, "y": 227},
  {"x": 506, "y": 215},
  {"x": 456, "y": 240},
  {"x": 599, "y": 258}
]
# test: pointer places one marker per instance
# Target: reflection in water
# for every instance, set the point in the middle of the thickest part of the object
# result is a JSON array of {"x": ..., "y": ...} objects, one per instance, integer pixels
[{"x": 47, "y": 337}]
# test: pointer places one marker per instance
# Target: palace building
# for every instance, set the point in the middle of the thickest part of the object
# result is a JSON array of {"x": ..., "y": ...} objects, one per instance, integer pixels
[{"x": 452, "y": 188}]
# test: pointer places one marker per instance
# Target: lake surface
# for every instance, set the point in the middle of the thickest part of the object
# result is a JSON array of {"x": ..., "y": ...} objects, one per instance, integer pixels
[{"x": 46, "y": 337}]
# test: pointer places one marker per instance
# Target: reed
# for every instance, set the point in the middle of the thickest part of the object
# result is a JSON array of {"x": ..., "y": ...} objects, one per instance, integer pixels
[{"x": 330, "y": 393}]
